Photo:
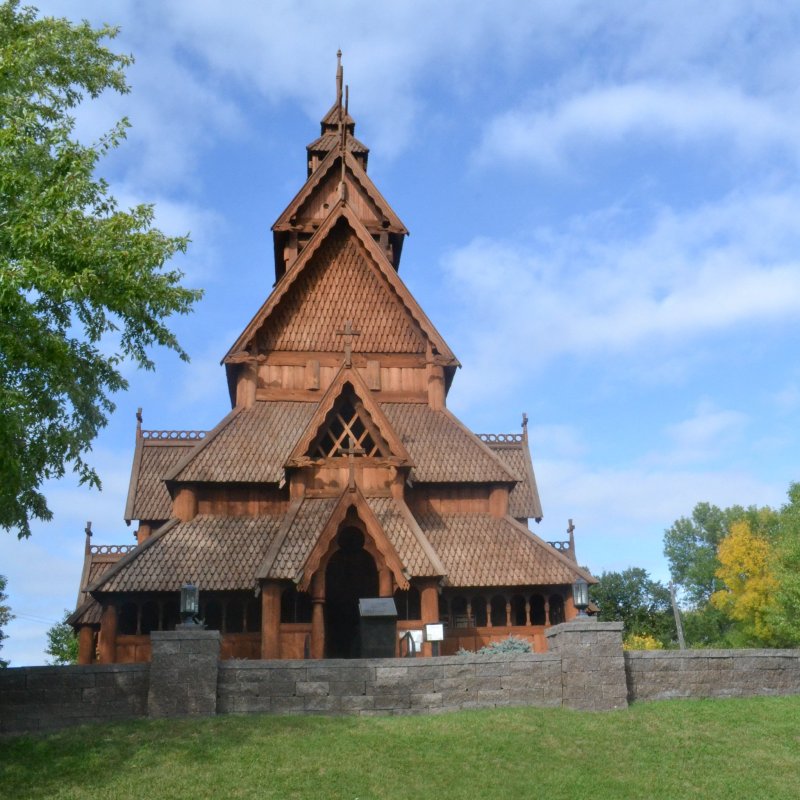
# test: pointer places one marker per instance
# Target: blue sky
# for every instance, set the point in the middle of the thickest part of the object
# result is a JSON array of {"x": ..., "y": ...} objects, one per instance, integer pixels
[{"x": 603, "y": 202}]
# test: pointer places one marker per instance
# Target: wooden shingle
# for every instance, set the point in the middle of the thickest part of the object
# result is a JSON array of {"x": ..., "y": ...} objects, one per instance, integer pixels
[{"x": 482, "y": 550}]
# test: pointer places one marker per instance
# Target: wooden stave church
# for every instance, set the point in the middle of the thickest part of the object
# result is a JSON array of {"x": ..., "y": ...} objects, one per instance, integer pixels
[{"x": 339, "y": 471}]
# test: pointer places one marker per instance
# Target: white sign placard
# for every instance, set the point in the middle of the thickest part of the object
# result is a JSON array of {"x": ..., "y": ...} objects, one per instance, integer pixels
[
  {"x": 434, "y": 632},
  {"x": 416, "y": 636}
]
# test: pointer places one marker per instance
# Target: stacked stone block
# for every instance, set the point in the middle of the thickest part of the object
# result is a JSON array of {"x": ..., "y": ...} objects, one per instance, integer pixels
[
  {"x": 183, "y": 673},
  {"x": 667, "y": 674},
  {"x": 592, "y": 663},
  {"x": 389, "y": 686},
  {"x": 47, "y": 698}
]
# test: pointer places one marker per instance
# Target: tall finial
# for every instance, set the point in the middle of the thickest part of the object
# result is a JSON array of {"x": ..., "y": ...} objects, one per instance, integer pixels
[
  {"x": 138, "y": 419},
  {"x": 524, "y": 424},
  {"x": 339, "y": 78},
  {"x": 88, "y": 531}
]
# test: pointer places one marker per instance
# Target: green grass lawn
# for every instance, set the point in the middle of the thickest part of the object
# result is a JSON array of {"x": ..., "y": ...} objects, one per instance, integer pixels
[{"x": 678, "y": 749}]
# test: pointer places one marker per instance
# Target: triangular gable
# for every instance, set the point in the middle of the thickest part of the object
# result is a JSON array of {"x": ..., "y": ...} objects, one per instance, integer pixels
[
  {"x": 381, "y": 548},
  {"x": 356, "y": 179},
  {"x": 515, "y": 453},
  {"x": 375, "y": 421},
  {"x": 375, "y": 256},
  {"x": 153, "y": 458}
]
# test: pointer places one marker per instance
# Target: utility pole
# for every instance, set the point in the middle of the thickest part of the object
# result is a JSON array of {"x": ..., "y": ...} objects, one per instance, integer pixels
[{"x": 677, "y": 613}]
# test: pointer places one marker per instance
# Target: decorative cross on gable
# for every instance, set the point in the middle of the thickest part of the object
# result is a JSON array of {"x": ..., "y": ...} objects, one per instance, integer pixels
[
  {"x": 351, "y": 451},
  {"x": 348, "y": 334}
]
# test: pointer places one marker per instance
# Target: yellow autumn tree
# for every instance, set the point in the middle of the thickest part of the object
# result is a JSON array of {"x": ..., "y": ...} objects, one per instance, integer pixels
[{"x": 746, "y": 569}]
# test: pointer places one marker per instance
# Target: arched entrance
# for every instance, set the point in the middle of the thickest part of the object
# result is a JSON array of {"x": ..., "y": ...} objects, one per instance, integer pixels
[{"x": 351, "y": 573}]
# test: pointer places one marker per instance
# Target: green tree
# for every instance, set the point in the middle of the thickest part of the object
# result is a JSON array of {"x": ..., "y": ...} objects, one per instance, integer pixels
[
  {"x": 5, "y": 616},
  {"x": 75, "y": 269},
  {"x": 783, "y": 615},
  {"x": 749, "y": 583},
  {"x": 632, "y": 597},
  {"x": 690, "y": 546},
  {"x": 62, "y": 644}
]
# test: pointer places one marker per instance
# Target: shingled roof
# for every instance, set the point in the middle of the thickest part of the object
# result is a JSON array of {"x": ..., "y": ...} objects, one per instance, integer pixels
[
  {"x": 412, "y": 547},
  {"x": 250, "y": 445},
  {"x": 442, "y": 448},
  {"x": 89, "y": 610},
  {"x": 331, "y": 140},
  {"x": 523, "y": 500},
  {"x": 482, "y": 550},
  {"x": 371, "y": 260},
  {"x": 217, "y": 553},
  {"x": 153, "y": 458},
  {"x": 310, "y": 314},
  {"x": 297, "y": 536}
]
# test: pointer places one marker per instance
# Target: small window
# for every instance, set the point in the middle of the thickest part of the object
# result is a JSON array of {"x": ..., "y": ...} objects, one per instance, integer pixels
[
  {"x": 253, "y": 615},
  {"x": 150, "y": 616},
  {"x": 234, "y": 615},
  {"x": 479, "y": 611},
  {"x": 518, "y": 616},
  {"x": 127, "y": 622},
  {"x": 498, "y": 611},
  {"x": 295, "y": 606},
  {"x": 556, "y": 609},
  {"x": 458, "y": 609},
  {"x": 211, "y": 613},
  {"x": 538, "y": 616},
  {"x": 408, "y": 604},
  {"x": 172, "y": 614}
]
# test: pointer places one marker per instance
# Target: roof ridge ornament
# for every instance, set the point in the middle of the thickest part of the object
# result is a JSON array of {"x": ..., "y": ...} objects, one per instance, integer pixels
[
  {"x": 343, "y": 113},
  {"x": 339, "y": 77}
]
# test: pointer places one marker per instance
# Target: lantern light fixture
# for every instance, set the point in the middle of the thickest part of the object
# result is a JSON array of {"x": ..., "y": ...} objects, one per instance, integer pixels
[
  {"x": 190, "y": 604},
  {"x": 580, "y": 596}
]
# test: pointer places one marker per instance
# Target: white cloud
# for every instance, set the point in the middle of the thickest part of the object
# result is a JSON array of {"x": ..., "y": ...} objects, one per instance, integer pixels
[
  {"x": 580, "y": 291},
  {"x": 621, "y": 512},
  {"x": 556, "y": 441},
  {"x": 704, "y": 436},
  {"x": 608, "y": 115}
]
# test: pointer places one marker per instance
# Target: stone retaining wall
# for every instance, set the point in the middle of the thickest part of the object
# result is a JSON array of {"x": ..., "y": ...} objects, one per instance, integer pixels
[
  {"x": 389, "y": 686},
  {"x": 46, "y": 698},
  {"x": 667, "y": 674},
  {"x": 585, "y": 669}
]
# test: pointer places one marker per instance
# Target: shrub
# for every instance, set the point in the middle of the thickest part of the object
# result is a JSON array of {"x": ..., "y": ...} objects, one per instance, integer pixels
[
  {"x": 511, "y": 645},
  {"x": 642, "y": 642}
]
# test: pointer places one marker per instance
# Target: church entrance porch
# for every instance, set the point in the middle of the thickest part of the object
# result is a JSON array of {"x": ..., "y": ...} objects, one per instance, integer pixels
[{"x": 350, "y": 574}]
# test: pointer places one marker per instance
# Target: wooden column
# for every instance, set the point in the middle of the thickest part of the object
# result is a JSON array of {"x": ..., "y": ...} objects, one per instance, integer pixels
[
  {"x": 318, "y": 616},
  {"x": 498, "y": 501},
  {"x": 385, "y": 582},
  {"x": 143, "y": 533},
  {"x": 184, "y": 506},
  {"x": 429, "y": 600},
  {"x": 246, "y": 383},
  {"x": 108, "y": 634},
  {"x": 270, "y": 620},
  {"x": 85, "y": 644},
  {"x": 436, "y": 387},
  {"x": 508, "y": 612}
]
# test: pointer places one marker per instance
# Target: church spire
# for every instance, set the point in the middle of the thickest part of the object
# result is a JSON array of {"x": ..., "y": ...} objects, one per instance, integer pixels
[
  {"x": 339, "y": 79},
  {"x": 337, "y": 127}
]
